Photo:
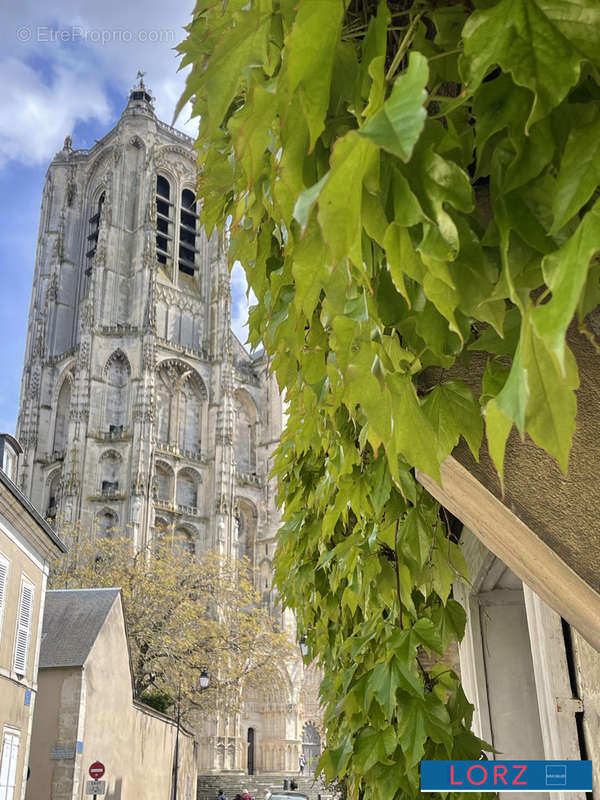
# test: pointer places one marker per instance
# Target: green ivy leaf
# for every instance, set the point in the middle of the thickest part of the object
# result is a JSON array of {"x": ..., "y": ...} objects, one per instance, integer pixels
[
  {"x": 437, "y": 722},
  {"x": 565, "y": 272},
  {"x": 250, "y": 129},
  {"x": 399, "y": 122},
  {"x": 428, "y": 634},
  {"x": 418, "y": 536},
  {"x": 413, "y": 432},
  {"x": 310, "y": 48},
  {"x": 333, "y": 760},
  {"x": 402, "y": 258},
  {"x": 411, "y": 730},
  {"x": 453, "y": 411},
  {"x": 306, "y": 201},
  {"x": 552, "y": 405},
  {"x": 579, "y": 174},
  {"x": 339, "y": 210},
  {"x": 497, "y": 427},
  {"x": 229, "y": 59},
  {"x": 383, "y": 684},
  {"x": 540, "y": 42},
  {"x": 369, "y": 748},
  {"x": 403, "y": 647},
  {"x": 514, "y": 397}
]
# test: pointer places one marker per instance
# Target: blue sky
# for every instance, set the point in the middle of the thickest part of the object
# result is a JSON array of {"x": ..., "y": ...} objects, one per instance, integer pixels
[{"x": 67, "y": 70}]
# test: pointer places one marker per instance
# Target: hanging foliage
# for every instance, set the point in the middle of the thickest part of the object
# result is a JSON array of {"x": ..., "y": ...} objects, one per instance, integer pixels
[{"x": 404, "y": 183}]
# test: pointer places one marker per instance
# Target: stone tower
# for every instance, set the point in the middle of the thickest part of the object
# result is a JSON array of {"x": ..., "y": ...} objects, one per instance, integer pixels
[{"x": 140, "y": 410}]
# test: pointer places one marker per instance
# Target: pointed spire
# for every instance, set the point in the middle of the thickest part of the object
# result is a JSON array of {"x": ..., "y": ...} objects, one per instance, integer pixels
[{"x": 139, "y": 96}]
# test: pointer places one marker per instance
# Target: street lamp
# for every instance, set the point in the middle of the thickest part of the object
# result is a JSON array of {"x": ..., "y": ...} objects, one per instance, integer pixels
[
  {"x": 303, "y": 646},
  {"x": 203, "y": 683}
]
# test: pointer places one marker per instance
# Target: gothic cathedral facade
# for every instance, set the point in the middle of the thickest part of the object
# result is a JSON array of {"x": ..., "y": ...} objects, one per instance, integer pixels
[{"x": 140, "y": 410}]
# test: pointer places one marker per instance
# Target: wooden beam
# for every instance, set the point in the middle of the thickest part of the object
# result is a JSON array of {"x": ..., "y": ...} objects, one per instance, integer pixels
[{"x": 518, "y": 546}]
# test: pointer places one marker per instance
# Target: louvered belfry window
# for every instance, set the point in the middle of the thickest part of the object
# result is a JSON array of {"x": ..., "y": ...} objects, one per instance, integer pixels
[
  {"x": 3, "y": 582},
  {"x": 23, "y": 628}
]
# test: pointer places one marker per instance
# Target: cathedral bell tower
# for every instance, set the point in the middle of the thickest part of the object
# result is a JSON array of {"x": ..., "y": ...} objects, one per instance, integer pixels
[{"x": 140, "y": 411}]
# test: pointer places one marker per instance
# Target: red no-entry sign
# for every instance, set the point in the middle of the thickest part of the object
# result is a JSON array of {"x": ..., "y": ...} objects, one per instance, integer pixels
[{"x": 96, "y": 770}]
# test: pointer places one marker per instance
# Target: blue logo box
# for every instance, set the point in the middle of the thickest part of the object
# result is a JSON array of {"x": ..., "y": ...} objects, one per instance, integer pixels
[{"x": 506, "y": 776}]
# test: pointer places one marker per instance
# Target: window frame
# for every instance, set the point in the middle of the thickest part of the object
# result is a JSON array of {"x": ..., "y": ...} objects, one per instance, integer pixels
[
  {"x": 13, "y": 733},
  {"x": 4, "y": 562},
  {"x": 171, "y": 259},
  {"x": 26, "y": 584}
]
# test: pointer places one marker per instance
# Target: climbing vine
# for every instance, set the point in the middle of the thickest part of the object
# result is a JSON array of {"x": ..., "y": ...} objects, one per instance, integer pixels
[{"x": 404, "y": 183}]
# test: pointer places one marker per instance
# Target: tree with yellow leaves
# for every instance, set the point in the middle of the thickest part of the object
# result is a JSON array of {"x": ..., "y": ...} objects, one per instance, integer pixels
[{"x": 184, "y": 614}]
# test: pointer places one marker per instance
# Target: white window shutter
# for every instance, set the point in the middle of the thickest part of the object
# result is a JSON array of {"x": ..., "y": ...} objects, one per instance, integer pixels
[
  {"x": 8, "y": 765},
  {"x": 23, "y": 628},
  {"x": 3, "y": 582}
]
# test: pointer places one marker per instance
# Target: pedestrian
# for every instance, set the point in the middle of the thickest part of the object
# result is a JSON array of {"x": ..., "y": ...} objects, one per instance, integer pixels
[
  {"x": 267, "y": 794},
  {"x": 301, "y": 763},
  {"x": 221, "y": 795},
  {"x": 246, "y": 795},
  {"x": 293, "y": 785}
]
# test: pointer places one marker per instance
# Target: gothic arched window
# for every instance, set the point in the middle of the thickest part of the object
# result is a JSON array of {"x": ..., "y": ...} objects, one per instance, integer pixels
[
  {"x": 187, "y": 233},
  {"x": 164, "y": 221},
  {"x": 164, "y": 483},
  {"x": 190, "y": 418},
  {"x": 187, "y": 488},
  {"x": 180, "y": 400},
  {"x": 265, "y": 574},
  {"x": 161, "y": 526},
  {"x": 163, "y": 414},
  {"x": 61, "y": 422},
  {"x": 53, "y": 494},
  {"x": 184, "y": 540},
  {"x": 245, "y": 525},
  {"x": 117, "y": 374},
  {"x": 244, "y": 443},
  {"x": 108, "y": 523},
  {"x": 110, "y": 468},
  {"x": 93, "y": 230}
]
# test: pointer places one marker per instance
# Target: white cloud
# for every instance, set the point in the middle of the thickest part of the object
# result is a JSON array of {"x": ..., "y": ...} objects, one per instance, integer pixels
[
  {"x": 62, "y": 62},
  {"x": 34, "y": 117}
]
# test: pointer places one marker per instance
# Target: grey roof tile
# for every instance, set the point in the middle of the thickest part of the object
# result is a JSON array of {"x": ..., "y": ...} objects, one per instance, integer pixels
[{"x": 72, "y": 621}]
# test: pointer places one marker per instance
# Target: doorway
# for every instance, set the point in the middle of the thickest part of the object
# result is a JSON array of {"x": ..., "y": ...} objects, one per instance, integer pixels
[
  {"x": 250, "y": 751},
  {"x": 513, "y": 666},
  {"x": 311, "y": 747}
]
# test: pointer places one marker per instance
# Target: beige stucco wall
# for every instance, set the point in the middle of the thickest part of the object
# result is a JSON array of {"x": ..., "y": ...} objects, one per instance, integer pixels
[
  {"x": 560, "y": 509},
  {"x": 17, "y": 544},
  {"x": 94, "y": 705},
  {"x": 55, "y": 724},
  {"x": 21, "y": 564}
]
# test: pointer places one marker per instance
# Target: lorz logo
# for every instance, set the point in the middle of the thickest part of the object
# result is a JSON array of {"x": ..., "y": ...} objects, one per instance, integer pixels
[{"x": 478, "y": 774}]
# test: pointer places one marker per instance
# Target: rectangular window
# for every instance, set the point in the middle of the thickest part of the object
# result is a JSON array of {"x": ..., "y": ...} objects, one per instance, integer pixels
[
  {"x": 3, "y": 583},
  {"x": 23, "y": 629},
  {"x": 8, "y": 764}
]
